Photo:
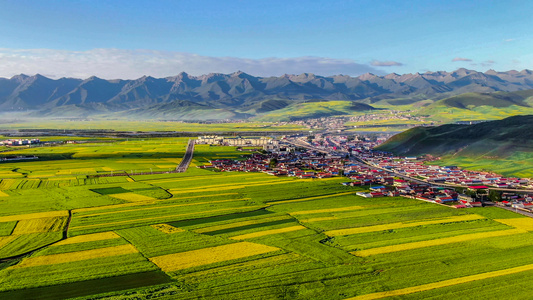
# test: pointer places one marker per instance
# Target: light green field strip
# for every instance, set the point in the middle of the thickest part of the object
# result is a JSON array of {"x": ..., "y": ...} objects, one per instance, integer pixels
[
  {"x": 318, "y": 219},
  {"x": 39, "y": 225},
  {"x": 196, "y": 178},
  {"x": 108, "y": 235},
  {"x": 75, "y": 256},
  {"x": 232, "y": 186},
  {"x": 205, "y": 256},
  {"x": 445, "y": 283},
  {"x": 267, "y": 232},
  {"x": 104, "y": 207},
  {"x": 317, "y": 211},
  {"x": 399, "y": 225},
  {"x": 48, "y": 214},
  {"x": 437, "y": 242},
  {"x": 310, "y": 198},
  {"x": 215, "y": 186},
  {"x": 165, "y": 206},
  {"x": 238, "y": 224},
  {"x": 166, "y": 217},
  {"x": 132, "y": 197}
]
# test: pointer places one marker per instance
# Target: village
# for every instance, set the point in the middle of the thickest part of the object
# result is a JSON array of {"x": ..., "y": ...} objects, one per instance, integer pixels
[{"x": 325, "y": 156}]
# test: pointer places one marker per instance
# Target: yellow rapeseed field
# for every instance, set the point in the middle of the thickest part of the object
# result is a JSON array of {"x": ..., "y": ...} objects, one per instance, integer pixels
[
  {"x": 398, "y": 225},
  {"x": 107, "y": 235},
  {"x": 130, "y": 179},
  {"x": 326, "y": 210},
  {"x": 238, "y": 224},
  {"x": 108, "y": 169},
  {"x": 4, "y": 240},
  {"x": 267, "y": 232},
  {"x": 48, "y": 214},
  {"x": 205, "y": 256},
  {"x": 7, "y": 183},
  {"x": 436, "y": 242},
  {"x": 444, "y": 283},
  {"x": 39, "y": 225},
  {"x": 520, "y": 223},
  {"x": 2, "y": 194},
  {"x": 132, "y": 197},
  {"x": 75, "y": 256},
  {"x": 310, "y": 198},
  {"x": 165, "y": 228}
]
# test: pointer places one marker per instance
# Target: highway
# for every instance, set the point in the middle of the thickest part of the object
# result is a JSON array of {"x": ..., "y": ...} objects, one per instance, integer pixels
[{"x": 184, "y": 164}]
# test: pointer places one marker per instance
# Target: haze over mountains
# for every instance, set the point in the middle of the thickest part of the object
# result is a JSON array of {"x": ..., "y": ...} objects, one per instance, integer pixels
[{"x": 238, "y": 95}]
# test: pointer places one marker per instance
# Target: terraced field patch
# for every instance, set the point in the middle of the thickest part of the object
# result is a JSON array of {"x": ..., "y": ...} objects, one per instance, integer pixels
[
  {"x": 392, "y": 226},
  {"x": 267, "y": 232},
  {"x": 519, "y": 223},
  {"x": 443, "y": 241},
  {"x": 75, "y": 256},
  {"x": 184, "y": 260},
  {"x": 88, "y": 238}
]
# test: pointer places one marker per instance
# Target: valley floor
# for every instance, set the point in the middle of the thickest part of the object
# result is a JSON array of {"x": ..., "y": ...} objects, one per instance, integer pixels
[{"x": 213, "y": 235}]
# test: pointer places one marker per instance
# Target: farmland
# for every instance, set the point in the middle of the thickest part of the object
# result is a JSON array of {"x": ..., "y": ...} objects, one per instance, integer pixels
[{"x": 66, "y": 231}]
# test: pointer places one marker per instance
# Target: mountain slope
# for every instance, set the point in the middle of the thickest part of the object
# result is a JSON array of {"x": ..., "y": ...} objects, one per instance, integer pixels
[{"x": 494, "y": 138}]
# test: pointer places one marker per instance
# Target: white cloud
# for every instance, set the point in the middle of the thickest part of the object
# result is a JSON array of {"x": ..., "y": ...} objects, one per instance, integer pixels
[
  {"x": 461, "y": 59},
  {"x": 130, "y": 64},
  {"x": 377, "y": 63}
]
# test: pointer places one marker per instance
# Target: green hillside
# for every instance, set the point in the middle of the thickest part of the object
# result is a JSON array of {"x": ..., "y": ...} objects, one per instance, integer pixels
[
  {"x": 480, "y": 106},
  {"x": 495, "y": 138},
  {"x": 315, "y": 109}
]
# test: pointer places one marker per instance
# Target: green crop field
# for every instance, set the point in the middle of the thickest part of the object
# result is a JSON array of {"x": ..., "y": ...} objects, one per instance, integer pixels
[{"x": 66, "y": 232}]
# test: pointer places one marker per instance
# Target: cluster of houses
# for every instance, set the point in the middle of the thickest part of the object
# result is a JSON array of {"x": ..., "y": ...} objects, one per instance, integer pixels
[
  {"x": 19, "y": 142},
  {"x": 355, "y": 159},
  {"x": 298, "y": 164},
  {"x": 448, "y": 174}
]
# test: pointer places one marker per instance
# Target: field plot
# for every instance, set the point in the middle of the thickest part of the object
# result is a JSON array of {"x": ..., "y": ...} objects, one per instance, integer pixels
[{"x": 229, "y": 235}]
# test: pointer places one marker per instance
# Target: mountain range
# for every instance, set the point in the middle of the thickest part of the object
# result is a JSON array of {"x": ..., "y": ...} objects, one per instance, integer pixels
[{"x": 239, "y": 95}]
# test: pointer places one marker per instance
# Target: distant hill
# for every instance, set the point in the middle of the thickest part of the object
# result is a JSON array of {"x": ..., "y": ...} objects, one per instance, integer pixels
[
  {"x": 499, "y": 138},
  {"x": 480, "y": 106},
  {"x": 240, "y": 95}
]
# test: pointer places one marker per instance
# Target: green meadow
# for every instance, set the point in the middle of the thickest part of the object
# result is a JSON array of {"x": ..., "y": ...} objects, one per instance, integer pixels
[{"x": 66, "y": 232}]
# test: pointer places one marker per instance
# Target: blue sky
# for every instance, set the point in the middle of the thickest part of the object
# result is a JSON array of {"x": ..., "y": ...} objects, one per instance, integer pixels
[{"x": 128, "y": 39}]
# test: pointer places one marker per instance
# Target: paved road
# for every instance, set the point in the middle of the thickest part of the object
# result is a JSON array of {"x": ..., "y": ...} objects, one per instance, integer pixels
[{"x": 184, "y": 164}]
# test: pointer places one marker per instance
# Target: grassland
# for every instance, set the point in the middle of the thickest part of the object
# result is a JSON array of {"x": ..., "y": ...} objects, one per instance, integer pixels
[{"x": 215, "y": 235}]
